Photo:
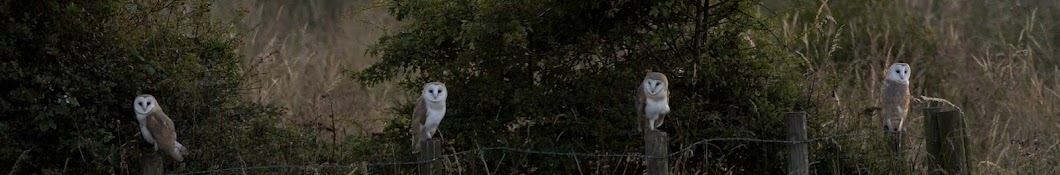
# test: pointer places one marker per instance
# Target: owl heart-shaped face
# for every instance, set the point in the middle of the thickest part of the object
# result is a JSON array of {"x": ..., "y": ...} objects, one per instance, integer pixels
[
  {"x": 655, "y": 84},
  {"x": 899, "y": 72},
  {"x": 653, "y": 87},
  {"x": 144, "y": 104},
  {"x": 435, "y": 91}
]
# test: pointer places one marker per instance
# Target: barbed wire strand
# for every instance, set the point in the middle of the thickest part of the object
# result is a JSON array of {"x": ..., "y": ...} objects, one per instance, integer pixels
[{"x": 529, "y": 151}]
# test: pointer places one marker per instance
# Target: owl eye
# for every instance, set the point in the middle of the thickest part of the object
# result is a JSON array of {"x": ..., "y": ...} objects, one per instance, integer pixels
[
  {"x": 431, "y": 91},
  {"x": 148, "y": 103},
  {"x": 141, "y": 103},
  {"x": 897, "y": 71}
]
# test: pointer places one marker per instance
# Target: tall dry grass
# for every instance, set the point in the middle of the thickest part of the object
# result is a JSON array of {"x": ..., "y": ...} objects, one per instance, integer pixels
[
  {"x": 299, "y": 52},
  {"x": 995, "y": 60}
]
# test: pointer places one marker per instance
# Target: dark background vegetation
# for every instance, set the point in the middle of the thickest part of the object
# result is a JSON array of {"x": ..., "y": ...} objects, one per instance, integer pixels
[
  {"x": 71, "y": 68},
  {"x": 262, "y": 83},
  {"x": 558, "y": 76}
]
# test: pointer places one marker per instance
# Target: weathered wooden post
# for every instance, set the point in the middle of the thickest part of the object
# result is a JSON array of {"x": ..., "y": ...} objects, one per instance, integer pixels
[
  {"x": 798, "y": 157},
  {"x": 656, "y": 145},
  {"x": 432, "y": 149},
  {"x": 946, "y": 140},
  {"x": 151, "y": 163},
  {"x": 895, "y": 142}
]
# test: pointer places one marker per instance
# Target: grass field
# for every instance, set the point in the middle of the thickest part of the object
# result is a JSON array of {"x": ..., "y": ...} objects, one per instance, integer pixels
[
  {"x": 994, "y": 60},
  {"x": 300, "y": 51}
]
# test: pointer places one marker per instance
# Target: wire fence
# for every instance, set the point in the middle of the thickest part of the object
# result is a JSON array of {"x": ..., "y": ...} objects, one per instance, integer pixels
[{"x": 365, "y": 165}]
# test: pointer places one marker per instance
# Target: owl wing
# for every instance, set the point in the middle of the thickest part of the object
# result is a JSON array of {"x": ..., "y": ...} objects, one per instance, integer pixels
[
  {"x": 419, "y": 117},
  {"x": 640, "y": 102},
  {"x": 895, "y": 96},
  {"x": 165, "y": 135},
  {"x": 906, "y": 96}
]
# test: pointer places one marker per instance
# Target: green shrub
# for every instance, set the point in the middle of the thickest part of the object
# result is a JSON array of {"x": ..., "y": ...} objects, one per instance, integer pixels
[{"x": 69, "y": 70}]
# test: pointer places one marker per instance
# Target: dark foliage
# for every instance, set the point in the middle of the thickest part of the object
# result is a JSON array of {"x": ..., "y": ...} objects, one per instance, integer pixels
[{"x": 70, "y": 69}]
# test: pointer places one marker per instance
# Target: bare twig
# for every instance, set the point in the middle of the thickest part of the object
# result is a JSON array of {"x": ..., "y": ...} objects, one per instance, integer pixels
[{"x": 14, "y": 168}]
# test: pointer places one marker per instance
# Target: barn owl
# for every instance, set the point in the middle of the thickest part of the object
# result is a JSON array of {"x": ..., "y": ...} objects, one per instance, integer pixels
[
  {"x": 430, "y": 109},
  {"x": 896, "y": 97},
  {"x": 157, "y": 128},
  {"x": 653, "y": 96}
]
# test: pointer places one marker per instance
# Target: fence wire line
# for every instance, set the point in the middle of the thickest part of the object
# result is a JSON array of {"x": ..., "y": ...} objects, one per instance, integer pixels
[{"x": 528, "y": 151}]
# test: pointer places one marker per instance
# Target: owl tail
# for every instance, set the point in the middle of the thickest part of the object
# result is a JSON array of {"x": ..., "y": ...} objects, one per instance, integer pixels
[
  {"x": 181, "y": 149},
  {"x": 170, "y": 146},
  {"x": 174, "y": 151},
  {"x": 643, "y": 124},
  {"x": 418, "y": 143}
]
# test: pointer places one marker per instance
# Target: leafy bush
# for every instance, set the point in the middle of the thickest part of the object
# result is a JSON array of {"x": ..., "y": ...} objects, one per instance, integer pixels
[
  {"x": 69, "y": 70},
  {"x": 560, "y": 77}
]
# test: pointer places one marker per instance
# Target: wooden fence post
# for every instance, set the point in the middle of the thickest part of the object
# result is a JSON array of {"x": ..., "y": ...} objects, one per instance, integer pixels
[
  {"x": 656, "y": 145},
  {"x": 946, "y": 140},
  {"x": 151, "y": 163},
  {"x": 896, "y": 142},
  {"x": 798, "y": 157},
  {"x": 432, "y": 149}
]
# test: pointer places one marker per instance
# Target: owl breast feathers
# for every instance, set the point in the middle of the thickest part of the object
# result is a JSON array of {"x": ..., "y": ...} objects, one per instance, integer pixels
[{"x": 652, "y": 101}]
